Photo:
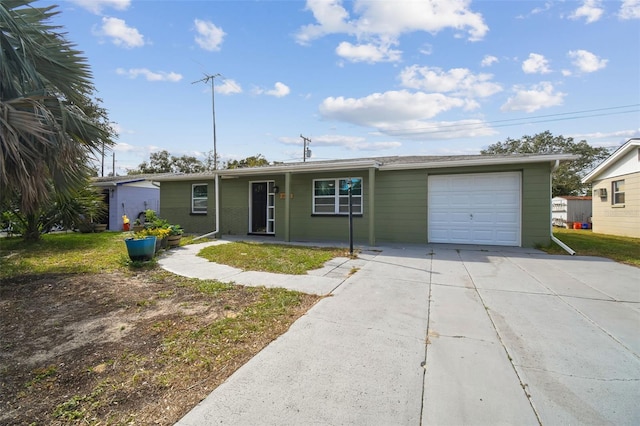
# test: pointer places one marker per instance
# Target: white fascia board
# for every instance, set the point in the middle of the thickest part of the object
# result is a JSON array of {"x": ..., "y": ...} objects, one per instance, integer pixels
[
  {"x": 482, "y": 161},
  {"x": 620, "y": 152},
  {"x": 302, "y": 168},
  {"x": 272, "y": 170}
]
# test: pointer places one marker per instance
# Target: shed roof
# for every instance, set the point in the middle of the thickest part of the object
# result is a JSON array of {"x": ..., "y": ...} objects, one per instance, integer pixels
[{"x": 122, "y": 180}]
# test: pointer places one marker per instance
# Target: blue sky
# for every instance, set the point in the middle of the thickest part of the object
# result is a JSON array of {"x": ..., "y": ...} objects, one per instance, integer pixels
[{"x": 359, "y": 78}]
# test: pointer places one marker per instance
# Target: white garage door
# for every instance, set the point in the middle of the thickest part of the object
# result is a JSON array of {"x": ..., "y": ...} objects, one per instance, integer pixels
[{"x": 479, "y": 208}]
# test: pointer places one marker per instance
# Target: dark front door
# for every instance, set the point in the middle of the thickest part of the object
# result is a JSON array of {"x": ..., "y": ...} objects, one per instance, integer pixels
[
  {"x": 259, "y": 207},
  {"x": 106, "y": 199}
]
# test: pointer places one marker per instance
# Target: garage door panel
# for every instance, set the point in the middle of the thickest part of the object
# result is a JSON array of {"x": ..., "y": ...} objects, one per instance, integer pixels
[{"x": 479, "y": 208}]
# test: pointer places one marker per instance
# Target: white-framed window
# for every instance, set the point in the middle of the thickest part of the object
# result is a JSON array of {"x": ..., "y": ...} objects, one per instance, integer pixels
[
  {"x": 199, "y": 198},
  {"x": 331, "y": 196},
  {"x": 617, "y": 191}
]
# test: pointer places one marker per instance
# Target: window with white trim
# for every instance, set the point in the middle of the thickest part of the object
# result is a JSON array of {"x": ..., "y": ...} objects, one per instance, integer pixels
[
  {"x": 617, "y": 191},
  {"x": 199, "y": 198},
  {"x": 331, "y": 196}
]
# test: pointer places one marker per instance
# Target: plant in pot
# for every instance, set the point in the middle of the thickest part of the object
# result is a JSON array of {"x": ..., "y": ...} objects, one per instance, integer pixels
[
  {"x": 137, "y": 226},
  {"x": 175, "y": 234},
  {"x": 161, "y": 235},
  {"x": 141, "y": 247}
]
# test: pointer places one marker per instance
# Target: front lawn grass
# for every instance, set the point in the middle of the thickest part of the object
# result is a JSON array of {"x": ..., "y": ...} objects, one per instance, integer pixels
[
  {"x": 63, "y": 253},
  {"x": 586, "y": 243},
  {"x": 278, "y": 258}
]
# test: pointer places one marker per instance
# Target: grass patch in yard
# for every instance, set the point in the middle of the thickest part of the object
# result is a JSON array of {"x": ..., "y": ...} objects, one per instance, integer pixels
[
  {"x": 101, "y": 342},
  {"x": 586, "y": 243},
  {"x": 278, "y": 258},
  {"x": 63, "y": 253}
]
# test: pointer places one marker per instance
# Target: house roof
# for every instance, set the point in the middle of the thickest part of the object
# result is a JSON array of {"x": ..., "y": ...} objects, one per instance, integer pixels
[
  {"x": 381, "y": 163},
  {"x": 121, "y": 180},
  {"x": 619, "y": 153}
]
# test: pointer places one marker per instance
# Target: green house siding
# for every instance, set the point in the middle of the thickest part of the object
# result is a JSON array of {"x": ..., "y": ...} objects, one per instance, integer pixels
[
  {"x": 536, "y": 205},
  {"x": 401, "y": 206},
  {"x": 175, "y": 206},
  {"x": 399, "y": 199},
  {"x": 307, "y": 227}
]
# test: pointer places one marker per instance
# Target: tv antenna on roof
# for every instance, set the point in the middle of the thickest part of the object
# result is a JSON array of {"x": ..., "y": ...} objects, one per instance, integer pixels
[{"x": 211, "y": 78}]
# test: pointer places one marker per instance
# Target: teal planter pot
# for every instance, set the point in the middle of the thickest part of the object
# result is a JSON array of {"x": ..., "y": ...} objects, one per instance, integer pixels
[{"x": 141, "y": 249}]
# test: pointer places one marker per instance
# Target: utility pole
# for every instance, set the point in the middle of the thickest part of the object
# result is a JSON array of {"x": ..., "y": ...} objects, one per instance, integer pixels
[
  {"x": 211, "y": 78},
  {"x": 306, "y": 152}
]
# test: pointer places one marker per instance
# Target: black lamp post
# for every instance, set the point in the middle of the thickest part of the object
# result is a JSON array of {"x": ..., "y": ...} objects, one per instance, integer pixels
[{"x": 349, "y": 191}]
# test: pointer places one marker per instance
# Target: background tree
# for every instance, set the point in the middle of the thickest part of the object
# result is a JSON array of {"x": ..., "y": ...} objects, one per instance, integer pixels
[
  {"x": 163, "y": 162},
  {"x": 49, "y": 125},
  {"x": 567, "y": 177},
  {"x": 257, "y": 160}
]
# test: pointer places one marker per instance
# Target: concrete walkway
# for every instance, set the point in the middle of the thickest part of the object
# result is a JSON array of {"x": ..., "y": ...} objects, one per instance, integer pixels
[{"x": 441, "y": 334}]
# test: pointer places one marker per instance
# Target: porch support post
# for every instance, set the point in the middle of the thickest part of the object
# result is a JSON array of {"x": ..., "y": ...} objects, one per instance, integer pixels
[
  {"x": 287, "y": 206},
  {"x": 372, "y": 206}
]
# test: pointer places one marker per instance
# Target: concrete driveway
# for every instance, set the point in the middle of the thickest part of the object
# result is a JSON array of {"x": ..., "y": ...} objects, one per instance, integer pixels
[{"x": 446, "y": 335}]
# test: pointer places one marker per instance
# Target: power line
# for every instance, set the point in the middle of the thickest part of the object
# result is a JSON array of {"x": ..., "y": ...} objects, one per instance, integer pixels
[{"x": 519, "y": 121}]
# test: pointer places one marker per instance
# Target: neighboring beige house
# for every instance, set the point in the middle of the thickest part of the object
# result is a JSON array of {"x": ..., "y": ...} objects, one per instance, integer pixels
[{"x": 616, "y": 192}]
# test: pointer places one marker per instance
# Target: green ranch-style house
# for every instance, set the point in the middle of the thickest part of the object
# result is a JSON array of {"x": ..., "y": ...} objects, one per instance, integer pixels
[{"x": 477, "y": 199}]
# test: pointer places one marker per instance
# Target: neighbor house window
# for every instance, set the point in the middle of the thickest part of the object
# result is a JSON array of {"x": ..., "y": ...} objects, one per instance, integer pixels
[
  {"x": 617, "y": 189},
  {"x": 199, "y": 198},
  {"x": 331, "y": 196}
]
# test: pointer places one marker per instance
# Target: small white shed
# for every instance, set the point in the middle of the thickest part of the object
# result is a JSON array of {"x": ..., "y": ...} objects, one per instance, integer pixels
[{"x": 570, "y": 208}]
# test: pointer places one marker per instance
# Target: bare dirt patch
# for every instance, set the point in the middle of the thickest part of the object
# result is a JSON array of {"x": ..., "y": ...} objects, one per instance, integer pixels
[{"x": 127, "y": 349}]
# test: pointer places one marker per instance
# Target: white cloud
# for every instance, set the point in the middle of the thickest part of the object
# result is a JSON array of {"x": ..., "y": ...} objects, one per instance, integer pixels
[
  {"x": 150, "y": 75},
  {"x": 209, "y": 36},
  {"x": 586, "y": 61},
  {"x": 404, "y": 114},
  {"x": 378, "y": 109},
  {"x": 630, "y": 9},
  {"x": 367, "y": 52},
  {"x": 125, "y": 147},
  {"x": 438, "y": 130},
  {"x": 536, "y": 64},
  {"x": 426, "y": 49},
  {"x": 547, "y": 6},
  {"x": 377, "y": 25},
  {"x": 279, "y": 90},
  {"x": 121, "y": 34},
  {"x": 538, "y": 96},
  {"x": 96, "y": 6},
  {"x": 331, "y": 18},
  {"x": 488, "y": 60},
  {"x": 458, "y": 81},
  {"x": 590, "y": 10},
  {"x": 228, "y": 87}
]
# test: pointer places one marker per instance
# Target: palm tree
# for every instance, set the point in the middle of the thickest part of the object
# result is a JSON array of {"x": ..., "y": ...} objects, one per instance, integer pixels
[{"x": 48, "y": 123}]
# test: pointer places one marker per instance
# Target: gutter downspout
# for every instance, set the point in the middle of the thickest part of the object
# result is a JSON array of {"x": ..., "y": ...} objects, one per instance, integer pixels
[
  {"x": 217, "y": 229},
  {"x": 553, "y": 238}
]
